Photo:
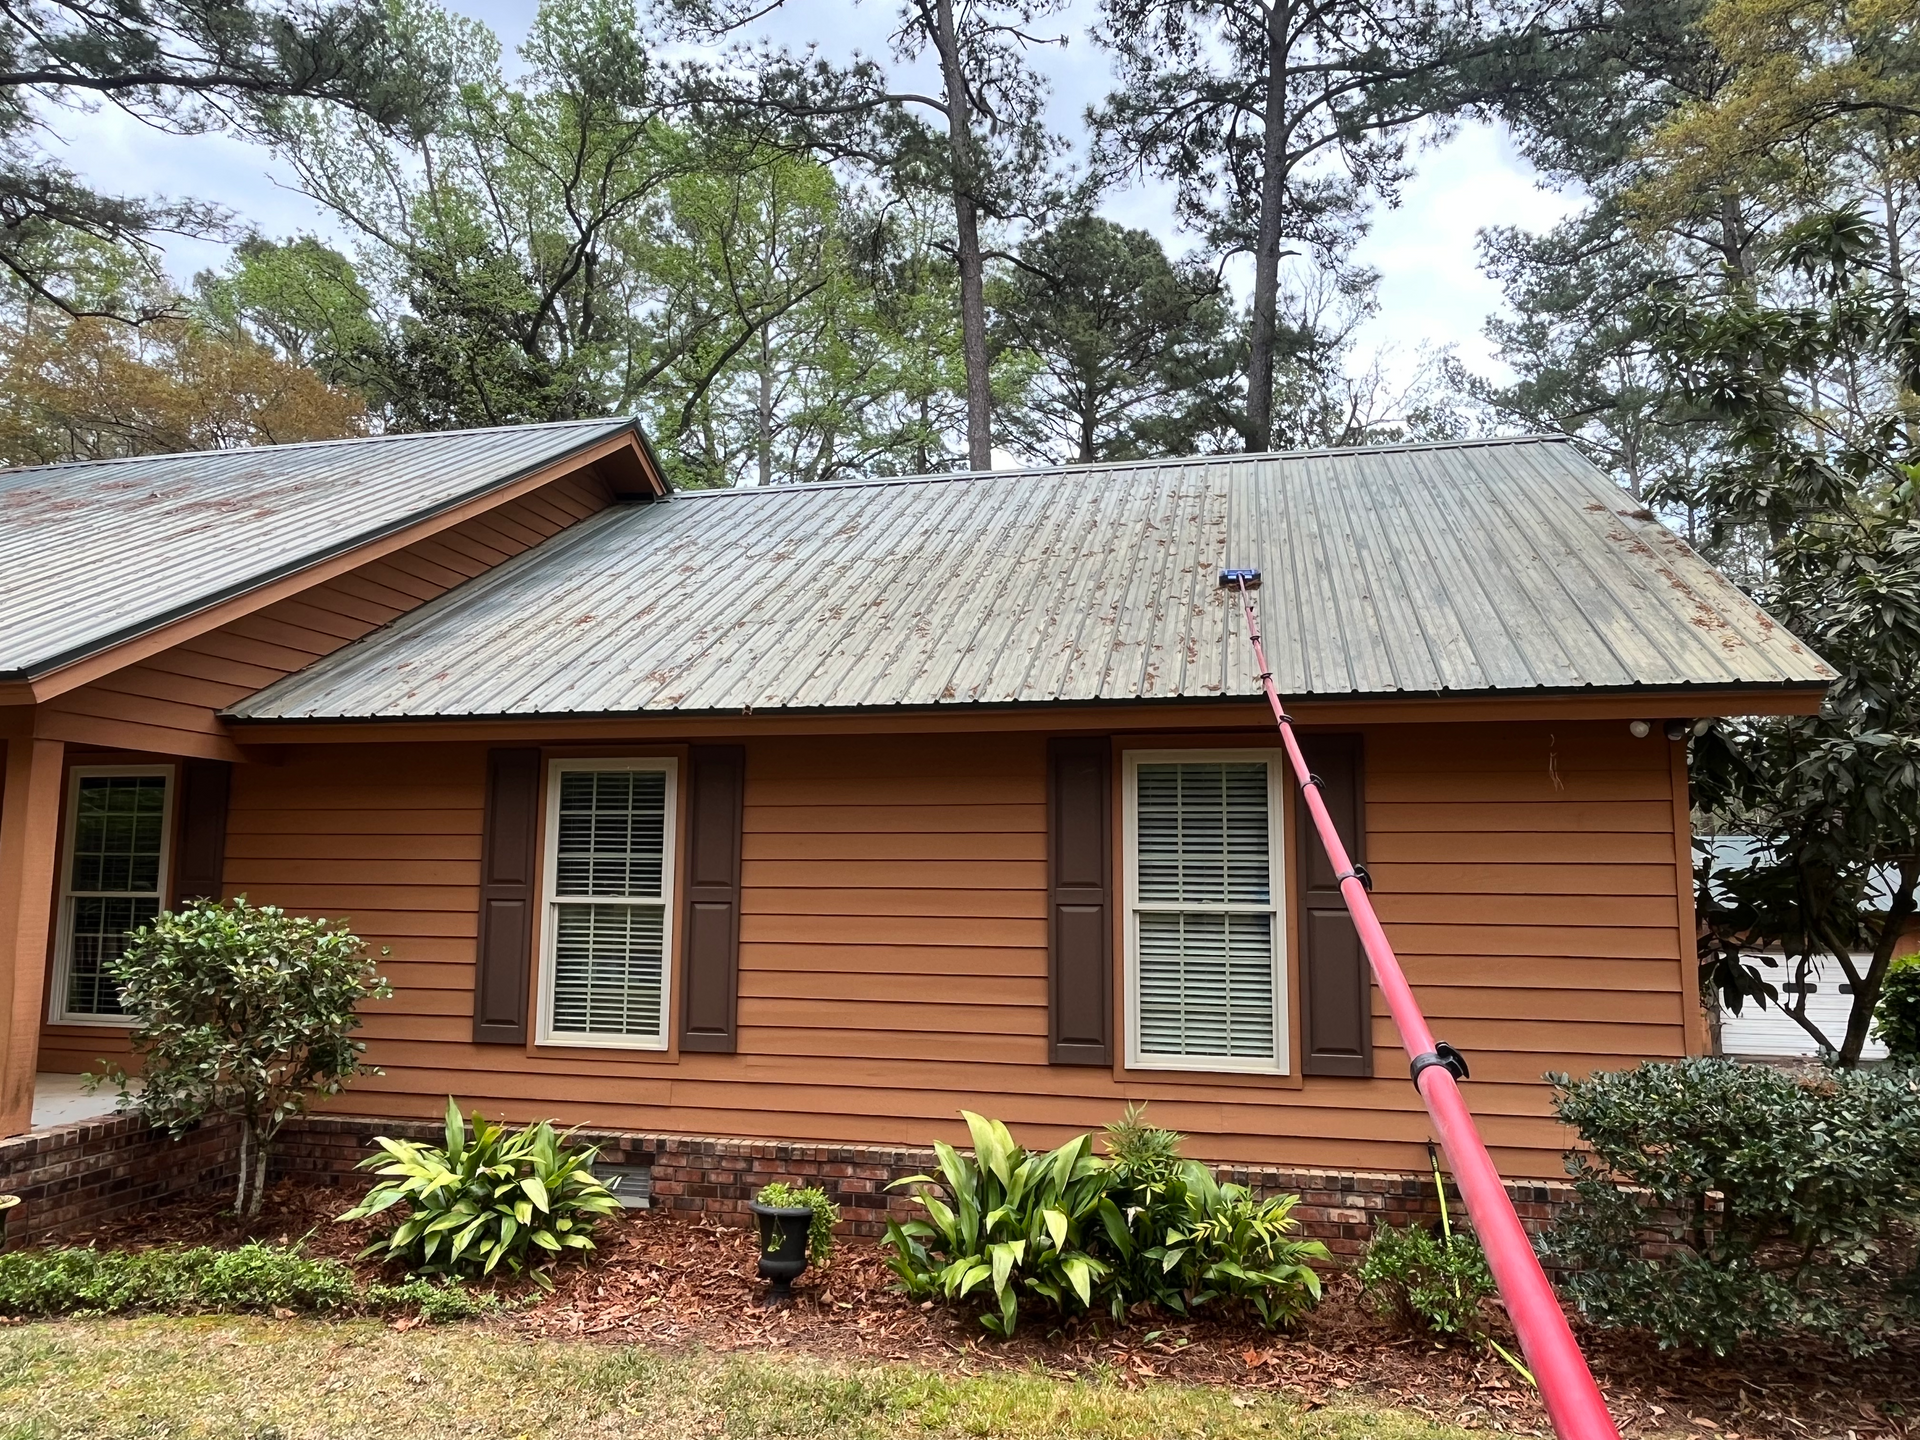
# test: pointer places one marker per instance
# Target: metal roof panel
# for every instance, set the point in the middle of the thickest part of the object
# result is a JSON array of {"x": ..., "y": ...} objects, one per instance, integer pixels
[
  {"x": 95, "y": 552},
  {"x": 1469, "y": 568}
]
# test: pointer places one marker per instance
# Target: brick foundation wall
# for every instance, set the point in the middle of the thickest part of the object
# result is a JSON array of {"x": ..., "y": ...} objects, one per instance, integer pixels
[
  {"x": 74, "y": 1177},
  {"x": 693, "y": 1175}
]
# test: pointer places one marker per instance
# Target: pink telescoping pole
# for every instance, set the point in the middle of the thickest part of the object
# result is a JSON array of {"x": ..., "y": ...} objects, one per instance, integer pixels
[{"x": 1574, "y": 1403}]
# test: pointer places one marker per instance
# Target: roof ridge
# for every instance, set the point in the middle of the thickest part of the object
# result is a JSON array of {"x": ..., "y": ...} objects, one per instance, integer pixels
[
  {"x": 8, "y": 471},
  {"x": 1107, "y": 466}
]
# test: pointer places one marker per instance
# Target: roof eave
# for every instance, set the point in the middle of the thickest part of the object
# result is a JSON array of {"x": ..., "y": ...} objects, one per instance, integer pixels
[{"x": 1788, "y": 697}]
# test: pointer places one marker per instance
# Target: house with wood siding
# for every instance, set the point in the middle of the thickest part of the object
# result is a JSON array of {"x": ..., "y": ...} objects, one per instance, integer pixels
[{"x": 817, "y": 813}]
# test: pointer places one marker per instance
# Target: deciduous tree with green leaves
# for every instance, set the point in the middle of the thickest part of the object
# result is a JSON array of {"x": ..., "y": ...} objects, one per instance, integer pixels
[
  {"x": 241, "y": 1012},
  {"x": 980, "y": 143},
  {"x": 1808, "y": 378}
]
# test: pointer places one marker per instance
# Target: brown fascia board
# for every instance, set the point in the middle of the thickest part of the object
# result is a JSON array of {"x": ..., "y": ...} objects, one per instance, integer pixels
[
  {"x": 624, "y": 461},
  {"x": 1056, "y": 717}
]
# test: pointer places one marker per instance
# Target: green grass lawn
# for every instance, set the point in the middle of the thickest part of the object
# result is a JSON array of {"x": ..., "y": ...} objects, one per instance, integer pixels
[{"x": 358, "y": 1380}]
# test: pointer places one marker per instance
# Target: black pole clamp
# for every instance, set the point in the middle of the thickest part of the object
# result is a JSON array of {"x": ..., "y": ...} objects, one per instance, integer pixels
[
  {"x": 1358, "y": 872},
  {"x": 1443, "y": 1055}
]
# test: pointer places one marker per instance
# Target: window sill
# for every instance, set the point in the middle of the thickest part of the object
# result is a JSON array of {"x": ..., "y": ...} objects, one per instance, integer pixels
[
  {"x": 1186, "y": 1066},
  {"x": 96, "y": 1022},
  {"x": 626, "y": 1043}
]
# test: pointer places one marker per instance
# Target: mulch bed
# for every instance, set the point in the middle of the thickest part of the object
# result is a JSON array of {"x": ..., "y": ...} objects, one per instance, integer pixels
[{"x": 670, "y": 1281}]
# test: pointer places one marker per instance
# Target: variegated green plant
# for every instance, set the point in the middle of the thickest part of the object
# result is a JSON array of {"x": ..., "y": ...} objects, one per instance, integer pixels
[
  {"x": 1222, "y": 1243},
  {"x": 1014, "y": 1225},
  {"x": 500, "y": 1197}
]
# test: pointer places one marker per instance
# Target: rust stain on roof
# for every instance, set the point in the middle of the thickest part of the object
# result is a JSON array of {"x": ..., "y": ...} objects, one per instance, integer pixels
[{"x": 1474, "y": 567}]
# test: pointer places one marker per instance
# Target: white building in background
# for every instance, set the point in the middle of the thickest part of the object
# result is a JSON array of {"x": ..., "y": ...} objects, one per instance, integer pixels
[{"x": 1773, "y": 1032}]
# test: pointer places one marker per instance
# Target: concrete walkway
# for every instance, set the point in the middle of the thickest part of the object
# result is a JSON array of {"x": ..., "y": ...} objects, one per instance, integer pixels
[{"x": 62, "y": 1100}]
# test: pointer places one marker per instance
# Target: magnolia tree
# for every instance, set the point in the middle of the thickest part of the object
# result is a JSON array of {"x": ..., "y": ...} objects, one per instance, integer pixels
[
  {"x": 242, "y": 1012},
  {"x": 1810, "y": 374}
]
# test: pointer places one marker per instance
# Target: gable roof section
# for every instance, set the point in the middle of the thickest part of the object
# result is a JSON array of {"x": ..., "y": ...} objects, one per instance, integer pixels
[
  {"x": 1462, "y": 569},
  {"x": 93, "y": 554}
]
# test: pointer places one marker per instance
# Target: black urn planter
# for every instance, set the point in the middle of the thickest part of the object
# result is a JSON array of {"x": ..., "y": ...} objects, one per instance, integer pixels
[{"x": 783, "y": 1246}]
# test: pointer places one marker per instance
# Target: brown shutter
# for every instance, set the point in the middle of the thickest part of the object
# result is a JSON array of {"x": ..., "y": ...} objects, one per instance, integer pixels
[
  {"x": 509, "y": 885},
  {"x": 716, "y": 797},
  {"x": 1336, "y": 989},
  {"x": 1079, "y": 901},
  {"x": 200, "y": 861}
]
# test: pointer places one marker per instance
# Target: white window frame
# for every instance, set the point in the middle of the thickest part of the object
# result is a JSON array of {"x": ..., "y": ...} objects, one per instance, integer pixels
[
  {"x": 57, "y": 1012},
  {"x": 550, "y": 902},
  {"x": 1273, "y": 759}
]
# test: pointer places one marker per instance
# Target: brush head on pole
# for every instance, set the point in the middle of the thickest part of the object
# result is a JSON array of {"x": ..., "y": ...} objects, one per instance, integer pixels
[{"x": 1234, "y": 579}]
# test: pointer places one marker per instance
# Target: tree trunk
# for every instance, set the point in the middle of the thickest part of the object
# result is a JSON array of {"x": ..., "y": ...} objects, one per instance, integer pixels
[
  {"x": 1866, "y": 993},
  {"x": 245, "y": 1168},
  {"x": 260, "y": 1152},
  {"x": 973, "y": 290},
  {"x": 1266, "y": 252},
  {"x": 763, "y": 435}
]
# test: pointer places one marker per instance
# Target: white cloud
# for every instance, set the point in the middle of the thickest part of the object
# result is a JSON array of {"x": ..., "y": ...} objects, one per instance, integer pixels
[{"x": 1431, "y": 288}]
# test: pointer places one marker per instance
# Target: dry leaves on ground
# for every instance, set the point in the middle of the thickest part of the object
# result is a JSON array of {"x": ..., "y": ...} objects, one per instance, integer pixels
[{"x": 671, "y": 1281}]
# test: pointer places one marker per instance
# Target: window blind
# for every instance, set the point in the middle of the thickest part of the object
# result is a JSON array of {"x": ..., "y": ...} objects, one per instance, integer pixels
[
  {"x": 1204, "y": 970},
  {"x": 609, "y": 908}
]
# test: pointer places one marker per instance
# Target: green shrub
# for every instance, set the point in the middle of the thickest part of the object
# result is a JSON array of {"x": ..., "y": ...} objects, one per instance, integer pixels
[
  {"x": 1222, "y": 1243},
  {"x": 1896, "y": 1019},
  {"x": 241, "y": 1011},
  {"x": 501, "y": 1196},
  {"x": 253, "y": 1277},
  {"x": 437, "y": 1302},
  {"x": 1075, "y": 1231},
  {"x": 826, "y": 1215},
  {"x": 1146, "y": 1170},
  {"x": 1763, "y": 1204},
  {"x": 1427, "y": 1282},
  {"x": 1018, "y": 1224},
  {"x": 1191, "y": 1240},
  {"x": 249, "y": 1278}
]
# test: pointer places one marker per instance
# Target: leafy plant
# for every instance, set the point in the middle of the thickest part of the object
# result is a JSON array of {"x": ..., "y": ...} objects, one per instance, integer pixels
[
  {"x": 1076, "y": 1230},
  {"x": 476, "y": 1203},
  {"x": 1191, "y": 1240},
  {"x": 1426, "y": 1281},
  {"x": 252, "y": 1277},
  {"x": 1146, "y": 1164},
  {"x": 1224, "y": 1243},
  {"x": 1754, "y": 1203},
  {"x": 1897, "y": 1020},
  {"x": 438, "y": 1302},
  {"x": 1818, "y": 504},
  {"x": 249, "y": 1278},
  {"x": 1014, "y": 1222},
  {"x": 241, "y": 1011},
  {"x": 826, "y": 1215},
  {"x": 1142, "y": 1155}
]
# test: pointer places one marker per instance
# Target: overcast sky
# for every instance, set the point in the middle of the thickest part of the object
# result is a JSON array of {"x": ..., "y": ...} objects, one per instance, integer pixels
[{"x": 1431, "y": 291}]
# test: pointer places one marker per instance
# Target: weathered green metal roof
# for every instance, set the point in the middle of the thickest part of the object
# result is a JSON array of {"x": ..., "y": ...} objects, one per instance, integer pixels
[
  {"x": 1490, "y": 567},
  {"x": 95, "y": 553}
]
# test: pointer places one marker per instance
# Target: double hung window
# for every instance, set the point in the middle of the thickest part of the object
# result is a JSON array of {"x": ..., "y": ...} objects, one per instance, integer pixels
[
  {"x": 606, "y": 971},
  {"x": 1205, "y": 978},
  {"x": 113, "y": 880}
]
